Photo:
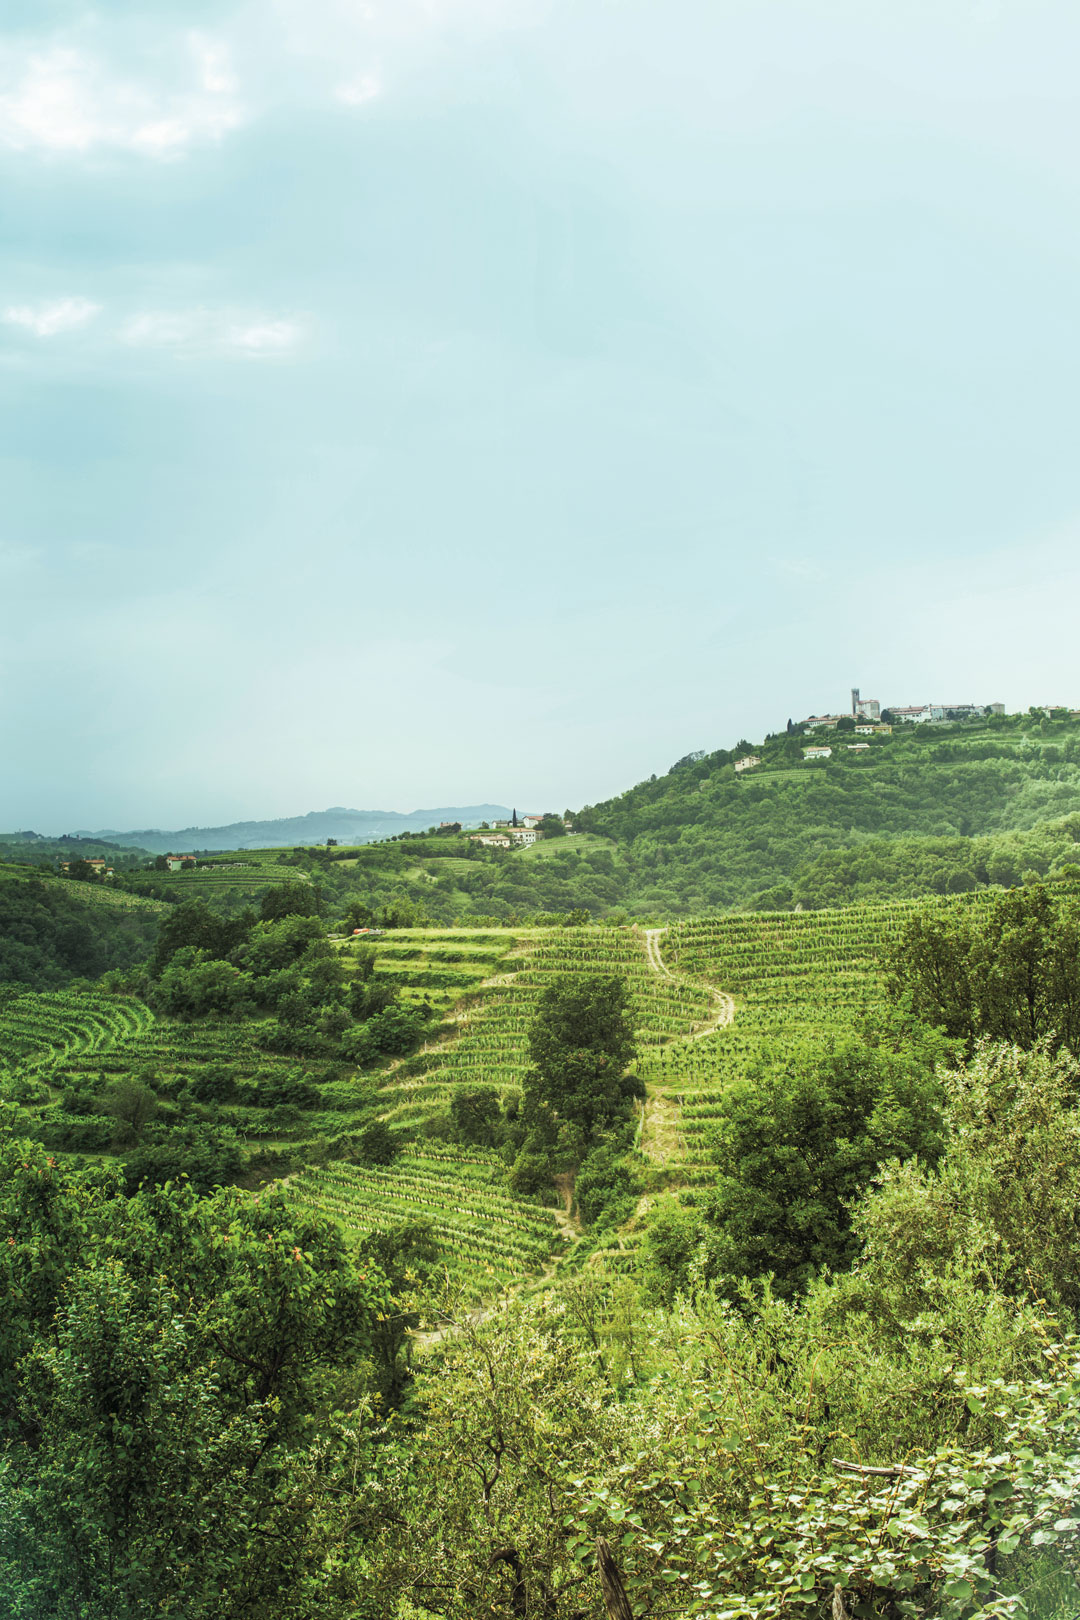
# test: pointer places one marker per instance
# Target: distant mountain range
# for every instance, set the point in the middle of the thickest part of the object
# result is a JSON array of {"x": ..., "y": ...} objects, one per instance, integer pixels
[{"x": 347, "y": 826}]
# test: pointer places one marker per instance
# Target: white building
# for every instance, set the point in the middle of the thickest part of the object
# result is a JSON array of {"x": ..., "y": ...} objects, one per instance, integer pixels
[
  {"x": 523, "y": 835},
  {"x": 817, "y": 753},
  {"x": 918, "y": 713},
  {"x": 747, "y": 762}
]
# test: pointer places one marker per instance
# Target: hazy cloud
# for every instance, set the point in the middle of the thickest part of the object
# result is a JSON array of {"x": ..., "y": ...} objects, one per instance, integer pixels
[
  {"x": 219, "y": 331},
  {"x": 46, "y": 320},
  {"x": 59, "y": 99},
  {"x": 355, "y": 92}
]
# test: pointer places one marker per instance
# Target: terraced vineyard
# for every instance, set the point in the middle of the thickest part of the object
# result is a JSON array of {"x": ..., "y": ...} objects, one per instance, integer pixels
[
  {"x": 40, "y": 1032},
  {"x": 489, "y": 1044},
  {"x": 248, "y": 877},
  {"x": 490, "y": 1239},
  {"x": 792, "y": 975}
]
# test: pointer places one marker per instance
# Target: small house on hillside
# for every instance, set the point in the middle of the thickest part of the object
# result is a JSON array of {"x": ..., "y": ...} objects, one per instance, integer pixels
[
  {"x": 492, "y": 840},
  {"x": 817, "y": 753},
  {"x": 747, "y": 762},
  {"x": 857, "y": 748},
  {"x": 523, "y": 835},
  {"x": 531, "y": 821}
]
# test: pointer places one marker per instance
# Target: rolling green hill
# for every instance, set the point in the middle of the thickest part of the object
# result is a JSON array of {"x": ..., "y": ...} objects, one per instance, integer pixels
[
  {"x": 704, "y": 837},
  {"x": 928, "y": 809}
]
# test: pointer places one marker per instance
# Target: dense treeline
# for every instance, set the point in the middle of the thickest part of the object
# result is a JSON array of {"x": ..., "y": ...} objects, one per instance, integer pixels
[
  {"x": 1009, "y": 971},
  {"x": 51, "y": 935}
]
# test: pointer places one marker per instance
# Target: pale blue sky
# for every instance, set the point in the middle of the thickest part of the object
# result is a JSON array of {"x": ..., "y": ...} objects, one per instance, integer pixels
[{"x": 434, "y": 401}]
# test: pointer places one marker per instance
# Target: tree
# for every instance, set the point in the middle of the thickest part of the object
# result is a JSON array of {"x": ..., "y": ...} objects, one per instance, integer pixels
[
  {"x": 289, "y": 900},
  {"x": 796, "y": 1142},
  {"x": 168, "y": 1356},
  {"x": 1010, "y": 971},
  {"x": 195, "y": 985},
  {"x": 581, "y": 1041},
  {"x": 379, "y": 1144},
  {"x": 551, "y": 827},
  {"x": 476, "y": 1113},
  {"x": 195, "y": 924},
  {"x": 131, "y": 1103}
]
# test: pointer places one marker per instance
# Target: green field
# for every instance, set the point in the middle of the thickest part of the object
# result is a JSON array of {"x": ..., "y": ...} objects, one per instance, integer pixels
[{"x": 572, "y": 844}]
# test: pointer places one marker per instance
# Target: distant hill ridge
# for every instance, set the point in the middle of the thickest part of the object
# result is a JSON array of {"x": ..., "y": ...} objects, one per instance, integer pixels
[{"x": 347, "y": 826}]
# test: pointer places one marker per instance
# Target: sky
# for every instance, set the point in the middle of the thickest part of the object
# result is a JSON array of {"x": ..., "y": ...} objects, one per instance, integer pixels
[{"x": 429, "y": 402}]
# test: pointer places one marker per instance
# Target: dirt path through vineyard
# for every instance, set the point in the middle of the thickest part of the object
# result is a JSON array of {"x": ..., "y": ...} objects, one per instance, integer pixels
[{"x": 660, "y": 1126}]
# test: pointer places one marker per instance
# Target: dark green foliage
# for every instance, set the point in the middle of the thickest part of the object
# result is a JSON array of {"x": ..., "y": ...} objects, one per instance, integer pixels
[
  {"x": 195, "y": 925},
  {"x": 161, "y": 1360},
  {"x": 530, "y": 1175},
  {"x": 581, "y": 1040},
  {"x": 51, "y": 934},
  {"x": 407, "y": 1254},
  {"x": 1008, "y": 970},
  {"x": 378, "y": 1143},
  {"x": 607, "y": 1186},
  {"x": 368, "y": 996},
  {"x": 196, "y": 985},
  {"x": 289, "y": 900},
  {"x": 798, "y": 1140},
  {"x": 132, "y": 1104},
  {"x": 393, "y": 1031},
  {"x": 206, "y": 1156},
  {"x": 476, "y": 1114}
]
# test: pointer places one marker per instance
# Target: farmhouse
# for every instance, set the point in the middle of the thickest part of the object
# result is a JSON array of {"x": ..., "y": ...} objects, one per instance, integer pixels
[
  {"x": 817, "y": 753},
  {"x": 523, "y": 835},
  {"x": 747, "y": 762},
  {"x": 493, "y": 840}
]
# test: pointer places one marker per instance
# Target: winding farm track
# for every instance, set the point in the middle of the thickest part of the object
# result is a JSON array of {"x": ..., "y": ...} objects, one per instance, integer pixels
[
  {"x": 660, "y": 1122},
  {"x": 724, "y": 1004}
]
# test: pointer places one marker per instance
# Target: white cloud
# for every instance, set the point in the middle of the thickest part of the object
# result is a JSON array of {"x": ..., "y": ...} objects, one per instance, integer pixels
[
  {"x": 46, "y": 320},
  {"x": 212, "y": 331},
  {"x": 61, "y": 100},
  {"x": 355, "y": 92},
  {"x": 264, "y": 337}
]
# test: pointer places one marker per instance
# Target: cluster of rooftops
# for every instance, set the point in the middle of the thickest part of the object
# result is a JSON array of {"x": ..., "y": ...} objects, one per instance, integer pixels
[{"x": 871, "y": 720}]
